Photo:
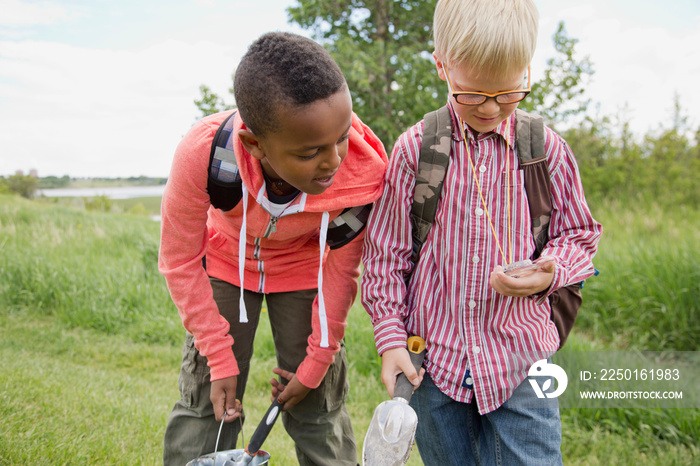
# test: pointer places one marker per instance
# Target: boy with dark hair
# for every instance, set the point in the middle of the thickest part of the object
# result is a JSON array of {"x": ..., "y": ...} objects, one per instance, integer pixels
[
  {"x": 483, "y": 328},
  {"x": 303, "y": 159}
]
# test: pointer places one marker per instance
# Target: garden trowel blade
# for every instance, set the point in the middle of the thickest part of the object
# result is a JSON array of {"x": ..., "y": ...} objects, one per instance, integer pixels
[{"x": 390, "y": 435}]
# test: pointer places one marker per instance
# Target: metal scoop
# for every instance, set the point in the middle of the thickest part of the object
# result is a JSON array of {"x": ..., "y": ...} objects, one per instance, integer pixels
[{"x": 390, "y": 435}]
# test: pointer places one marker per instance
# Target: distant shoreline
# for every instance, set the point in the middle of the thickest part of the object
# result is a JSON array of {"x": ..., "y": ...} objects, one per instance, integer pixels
[{"x": 112, "y": 192}]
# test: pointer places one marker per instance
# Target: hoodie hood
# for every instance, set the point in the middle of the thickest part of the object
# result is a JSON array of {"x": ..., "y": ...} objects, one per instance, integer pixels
[{"x": 360, "y": 169}]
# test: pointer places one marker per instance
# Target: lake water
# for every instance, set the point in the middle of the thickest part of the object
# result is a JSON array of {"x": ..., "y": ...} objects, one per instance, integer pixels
[{"x": 122, "y": 192}]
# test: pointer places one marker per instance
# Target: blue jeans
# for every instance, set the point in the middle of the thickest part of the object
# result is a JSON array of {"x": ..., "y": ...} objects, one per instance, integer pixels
[{"x": 523, "y": 431}]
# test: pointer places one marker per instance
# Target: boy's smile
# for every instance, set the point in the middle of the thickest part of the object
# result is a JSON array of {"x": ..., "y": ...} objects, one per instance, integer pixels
[
  {"x": 488, "y": 115},
  {"x": 311, "y": 143}
]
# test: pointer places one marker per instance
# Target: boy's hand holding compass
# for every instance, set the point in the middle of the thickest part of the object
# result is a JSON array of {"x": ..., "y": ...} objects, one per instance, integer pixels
[{"x": 523, "y": 278}]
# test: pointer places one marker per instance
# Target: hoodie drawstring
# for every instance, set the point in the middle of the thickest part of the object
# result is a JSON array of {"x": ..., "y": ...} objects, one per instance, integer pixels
[
  {"x": 321, "y": 303},
  {"x": 242, "y": 314}
]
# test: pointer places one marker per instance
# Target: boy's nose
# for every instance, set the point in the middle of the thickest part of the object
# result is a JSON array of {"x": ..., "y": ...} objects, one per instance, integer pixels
[
  {"x": 333, "y": 159},
  {"x": 489, "y": 106}
]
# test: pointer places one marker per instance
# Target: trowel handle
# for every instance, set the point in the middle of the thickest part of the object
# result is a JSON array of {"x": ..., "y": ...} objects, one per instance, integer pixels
[
  {"x": 416, "y": 349},
  {"x": 264, "y": 427}
]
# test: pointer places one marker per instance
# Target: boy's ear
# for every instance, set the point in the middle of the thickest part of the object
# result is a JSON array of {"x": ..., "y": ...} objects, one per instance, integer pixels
[
  {"x": 440, "y": 67},
  {"x": 251, "y": 143}
]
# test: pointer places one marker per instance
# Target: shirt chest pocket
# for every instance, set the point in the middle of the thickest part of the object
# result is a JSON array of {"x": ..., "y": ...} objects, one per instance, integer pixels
[{"x": 514, "y": 212}]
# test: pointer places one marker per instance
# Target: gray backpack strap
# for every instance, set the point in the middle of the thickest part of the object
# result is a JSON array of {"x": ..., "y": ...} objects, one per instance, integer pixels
[
  {"x": 430, "y": 174},
  {"x": 224, "y": 184},
  {"x": 533, "y": 162},
  {"x": 566, "y": 301}
]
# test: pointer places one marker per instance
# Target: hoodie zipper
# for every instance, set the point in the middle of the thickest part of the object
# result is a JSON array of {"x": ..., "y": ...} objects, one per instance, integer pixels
[{"x": 271, "y": 227}]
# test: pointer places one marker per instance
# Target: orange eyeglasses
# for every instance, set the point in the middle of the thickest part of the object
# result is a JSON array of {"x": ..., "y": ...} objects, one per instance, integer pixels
[{"x": 478, "y": 98}]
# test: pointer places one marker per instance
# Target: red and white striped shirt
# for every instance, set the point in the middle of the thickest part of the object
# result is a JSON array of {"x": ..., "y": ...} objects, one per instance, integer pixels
[{"x": 467, "y": 325}]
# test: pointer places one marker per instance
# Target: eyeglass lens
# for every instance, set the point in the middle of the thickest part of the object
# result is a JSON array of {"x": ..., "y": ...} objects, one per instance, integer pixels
[{"x": 475, "y": 99}]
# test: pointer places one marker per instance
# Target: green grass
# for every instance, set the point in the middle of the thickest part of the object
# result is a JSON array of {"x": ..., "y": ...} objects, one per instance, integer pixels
[
  {"x": 647, "y": 295},
  {"x": 91, "y": 341},
  {"x": 144, "y": 206},
  {"x": 87, "y": 269},
  {"x": 139, "y": 205}
]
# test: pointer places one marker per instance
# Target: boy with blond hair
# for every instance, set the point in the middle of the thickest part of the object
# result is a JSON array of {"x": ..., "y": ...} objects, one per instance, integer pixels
[{"x": 483, "y": 328}]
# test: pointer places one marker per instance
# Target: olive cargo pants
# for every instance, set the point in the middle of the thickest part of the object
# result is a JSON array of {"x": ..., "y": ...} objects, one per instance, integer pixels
[{"x": 319, "y": 424}]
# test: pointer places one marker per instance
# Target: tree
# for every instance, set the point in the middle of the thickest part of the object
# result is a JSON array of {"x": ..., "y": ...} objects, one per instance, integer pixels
[
  {"x": 672, "y": 161},
  {"x": 561, "y": 93},
  {"x": 210, "y": 103},
  {"x": 51, "y": 181},
  {"x": 662, "y": 169},
  {"x": 384, "y": 48},
  {"x": 24, "y": 185}
]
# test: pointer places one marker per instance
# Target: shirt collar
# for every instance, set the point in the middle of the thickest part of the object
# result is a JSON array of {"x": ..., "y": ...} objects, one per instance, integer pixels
[{"x": 499, "y": 130}]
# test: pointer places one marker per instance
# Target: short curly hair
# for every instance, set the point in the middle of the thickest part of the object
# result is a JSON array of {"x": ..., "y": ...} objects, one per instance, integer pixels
[{"x": 281, "y": 70}]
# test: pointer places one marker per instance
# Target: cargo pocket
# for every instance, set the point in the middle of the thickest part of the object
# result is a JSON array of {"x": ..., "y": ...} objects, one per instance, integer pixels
[
  {"x": 193, "y": 373},
  {"x": 334, "y": 388}
]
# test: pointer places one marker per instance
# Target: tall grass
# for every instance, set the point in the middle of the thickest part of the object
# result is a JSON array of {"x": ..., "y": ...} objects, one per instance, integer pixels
[
  {"x": 91, "y": 341},
  {"x": 647, "y": 295},
  {"x": 90, "y": 270}
]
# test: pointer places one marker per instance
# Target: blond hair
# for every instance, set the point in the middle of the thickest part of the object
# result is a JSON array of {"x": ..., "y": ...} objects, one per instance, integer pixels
[{"x": 494, "y": 37}]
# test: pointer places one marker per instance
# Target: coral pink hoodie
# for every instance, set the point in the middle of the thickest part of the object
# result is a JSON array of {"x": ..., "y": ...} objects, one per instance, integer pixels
[{"x": 287, "y": 259}]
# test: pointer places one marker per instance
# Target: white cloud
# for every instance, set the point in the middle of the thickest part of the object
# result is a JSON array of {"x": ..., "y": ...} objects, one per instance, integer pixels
[
  {"x": 19, "y": 13},
  {"x": 638, "y": 64},
  {"x": 75, "y": 102},
  {"x": 102, "y": 112},
  {"x": 72, "y": 102}
]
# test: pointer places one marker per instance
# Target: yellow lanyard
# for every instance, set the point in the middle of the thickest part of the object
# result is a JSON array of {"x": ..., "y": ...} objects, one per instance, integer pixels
[{"x": 481, "y": 195}]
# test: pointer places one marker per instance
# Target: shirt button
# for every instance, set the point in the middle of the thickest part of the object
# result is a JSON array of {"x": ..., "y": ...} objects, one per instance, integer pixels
[
  {"x": 482, "y": 168},
  {"x": 475, "y": 259},
  {"x": 479, "y": 212},
  {"x": 476, "y": 350},
  {"x": 472, "y": 304}
]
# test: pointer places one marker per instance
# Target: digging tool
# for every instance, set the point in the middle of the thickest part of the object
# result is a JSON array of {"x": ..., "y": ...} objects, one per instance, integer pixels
[
  {"x": 390, "y": 435},
  {"x": 252, "y": 455},
  {"x": 260, "y": 434}
]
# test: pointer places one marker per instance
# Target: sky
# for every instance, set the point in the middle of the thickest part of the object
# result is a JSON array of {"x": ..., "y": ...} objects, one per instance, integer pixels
[{"x": 105, "y": 88}]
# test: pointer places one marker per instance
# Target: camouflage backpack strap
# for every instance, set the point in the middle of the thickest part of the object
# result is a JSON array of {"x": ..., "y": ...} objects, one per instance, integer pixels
[
  {"x": 224, "y": 184},
  {"x": 430, "y": 175},
  {"x": 533, "y": 162}
]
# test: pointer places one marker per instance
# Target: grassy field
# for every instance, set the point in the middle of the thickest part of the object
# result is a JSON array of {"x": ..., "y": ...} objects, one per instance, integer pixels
[{"x": 91, "y": 341}]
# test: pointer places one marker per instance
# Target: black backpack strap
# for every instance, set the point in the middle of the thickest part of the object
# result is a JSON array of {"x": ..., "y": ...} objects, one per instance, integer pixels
[
  {"x": 346, "y": 226},
  {"x": 430, "y": 174},
  {"x": 224, "y": 184}
]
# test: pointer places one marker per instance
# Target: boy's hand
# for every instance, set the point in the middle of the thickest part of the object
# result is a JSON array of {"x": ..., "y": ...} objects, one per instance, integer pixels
[
  {"x": 394, "y": 362},
  {"x": 290, "y": 394},
  {"x": 223, "y": 397},
  {"x": 538, "y": 281}
]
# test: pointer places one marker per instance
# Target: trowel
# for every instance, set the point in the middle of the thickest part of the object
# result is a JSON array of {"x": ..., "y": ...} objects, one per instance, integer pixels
[
  {"x": 252, "y": 455},
  {"x": 390, "y": 435}
]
